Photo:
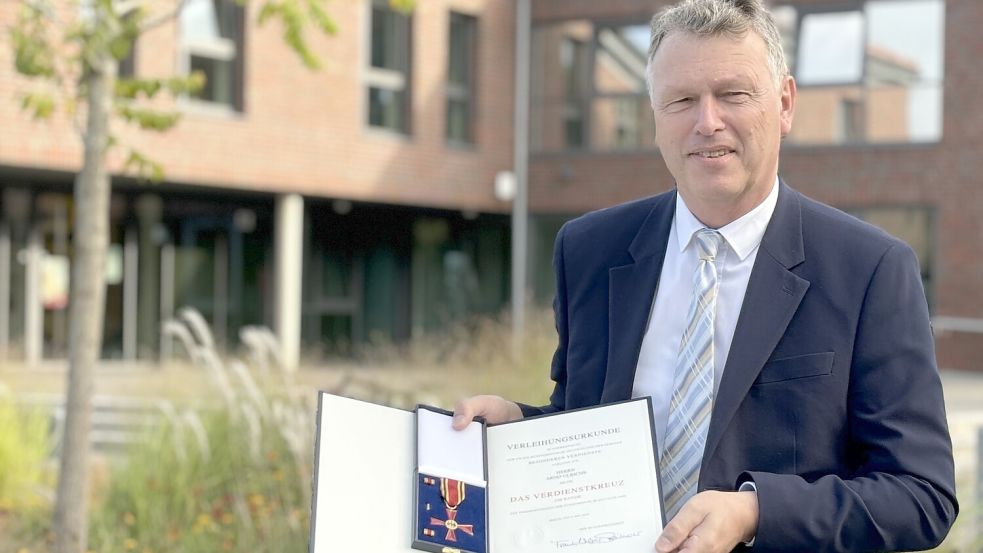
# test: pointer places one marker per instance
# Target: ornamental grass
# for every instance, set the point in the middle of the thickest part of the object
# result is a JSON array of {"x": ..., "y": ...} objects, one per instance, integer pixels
[{"x": 233, "y": 473}]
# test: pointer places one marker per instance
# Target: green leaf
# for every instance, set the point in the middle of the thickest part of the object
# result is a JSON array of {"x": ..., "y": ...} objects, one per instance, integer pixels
[
  {"x": 33, "y": 54},
  {"x": 321, "y": 17},
  {"x": 41, "y": 105},
  {"x": 268, "y": 11},
  {"x": 294, "y": 22},
  {"x": 186, "y": 85},
  {"x": 120, "y": 47},
  {"x": 405, "y": 6},
  {"x": 131, "y": 88},
  {"x": 148, "y": 119},
  {"x": 144, "y": 167}
]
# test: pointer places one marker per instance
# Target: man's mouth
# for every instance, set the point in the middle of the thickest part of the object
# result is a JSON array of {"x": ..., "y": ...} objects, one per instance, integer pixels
[{"x": 710, "y": 154}]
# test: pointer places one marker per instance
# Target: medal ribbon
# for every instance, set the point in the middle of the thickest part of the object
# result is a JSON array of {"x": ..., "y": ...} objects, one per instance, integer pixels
[{"x": 452, "y": 491}]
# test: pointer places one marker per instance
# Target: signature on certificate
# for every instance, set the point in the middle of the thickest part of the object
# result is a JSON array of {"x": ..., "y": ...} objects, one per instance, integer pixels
[{"x": 604, "y": 537}]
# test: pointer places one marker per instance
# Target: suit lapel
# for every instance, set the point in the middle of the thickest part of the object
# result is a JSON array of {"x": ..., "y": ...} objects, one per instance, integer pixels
[
  {"x": 631, "y": 290},
  {"x": 772, "y": 297}
]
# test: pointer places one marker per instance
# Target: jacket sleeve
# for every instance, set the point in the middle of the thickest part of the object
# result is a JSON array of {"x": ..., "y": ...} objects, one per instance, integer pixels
[{"x": 900, "y": 495}]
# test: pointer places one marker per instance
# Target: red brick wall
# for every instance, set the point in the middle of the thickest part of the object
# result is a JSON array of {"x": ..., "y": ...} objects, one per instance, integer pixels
[{"x": 305, "y": 131}]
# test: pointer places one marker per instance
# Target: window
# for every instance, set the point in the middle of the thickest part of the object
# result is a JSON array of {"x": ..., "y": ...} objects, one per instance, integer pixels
[
  {"x": 915, "y": 225},
  {"x": 626, "y": 130},
  {"x": 850, "y": 119},
  {"x": 589, "y": 88},
  {"x": 869, "y": 74},
  {"x": 573, "y": 58},
  {"x": 558, "y": 81},
  {"x": 621, "y": 114},
  {"x": 128, "y": 65},
  {"x": 211, "y": 42},
  {"x": 389, "y": 68},
  {"x": 460, "y": 79}
]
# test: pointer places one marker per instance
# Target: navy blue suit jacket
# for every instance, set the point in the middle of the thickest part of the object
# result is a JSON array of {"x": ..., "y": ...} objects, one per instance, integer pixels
[{"x": 830, "y": 400}]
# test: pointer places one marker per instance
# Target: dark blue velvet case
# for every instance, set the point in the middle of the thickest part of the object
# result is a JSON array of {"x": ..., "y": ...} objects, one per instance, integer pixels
[{"x": 438, "y": 527}]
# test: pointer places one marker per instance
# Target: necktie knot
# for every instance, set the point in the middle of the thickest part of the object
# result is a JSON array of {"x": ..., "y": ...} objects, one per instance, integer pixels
[{"x": 708, "y": 243}]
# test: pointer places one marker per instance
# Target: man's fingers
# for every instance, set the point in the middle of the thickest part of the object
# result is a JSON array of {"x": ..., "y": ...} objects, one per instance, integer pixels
[
  {"x": 711, "y": 522},
  {"x": 675, "y": 533},
  {"x": 691, "y": 545},
  {"x": 494, "y": 409},
  {"x": 463, "y": 413},
  {"x": 681, "y": 527},
  {"x": 704, "y": 538},
  {"x": 667, "y": 542}
]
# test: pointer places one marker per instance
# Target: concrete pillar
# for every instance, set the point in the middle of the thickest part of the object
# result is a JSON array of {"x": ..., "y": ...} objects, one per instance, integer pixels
[
  {"x": 520, "y": 160},
  {"x": 167, "y": 256},
  {"x": 220, "y": 292},
  {"x": 33, "y": 308},
  {"x": 149, "y": 209},
  {"x": 289, "y": 237},
  {"x": 236, "y": 277},
  {"x": 5, "y": 271},
  {"x": 131, "y": 278},
  {"x": 16, "y": 210}
]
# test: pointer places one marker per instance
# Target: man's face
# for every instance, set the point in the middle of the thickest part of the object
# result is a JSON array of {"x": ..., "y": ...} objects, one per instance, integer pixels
[{"x": 719, "y": 120}]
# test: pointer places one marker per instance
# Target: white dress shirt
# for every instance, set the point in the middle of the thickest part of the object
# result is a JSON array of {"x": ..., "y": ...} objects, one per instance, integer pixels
[{"x": 656, "y": 367}]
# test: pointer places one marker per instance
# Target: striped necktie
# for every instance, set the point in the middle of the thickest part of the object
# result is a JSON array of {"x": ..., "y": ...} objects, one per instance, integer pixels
[{"x": 692, "y": 394}]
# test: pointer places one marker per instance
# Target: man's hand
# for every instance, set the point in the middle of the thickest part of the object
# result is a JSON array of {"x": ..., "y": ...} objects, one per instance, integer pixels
[
  {"x": 493, "y": 408},
  {"x": 711, "y": 521}
]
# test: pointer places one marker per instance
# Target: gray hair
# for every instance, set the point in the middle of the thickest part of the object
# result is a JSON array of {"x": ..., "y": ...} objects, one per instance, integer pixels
[{"x": 710, "y": 18}]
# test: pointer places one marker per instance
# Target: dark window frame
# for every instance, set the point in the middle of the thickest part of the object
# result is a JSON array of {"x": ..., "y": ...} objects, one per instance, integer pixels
[
  {"x": 128, "y": 65},
  {"x": 466, "y": 91},
  {"x": 576, "y": 97},
  {"x": 862, "y": 82},
  {"x": 395, "y": 80},
  {"x": 928, "y": 266},
  {"x": 232, "y": 21},
  {"x": 578, "y": 109}
]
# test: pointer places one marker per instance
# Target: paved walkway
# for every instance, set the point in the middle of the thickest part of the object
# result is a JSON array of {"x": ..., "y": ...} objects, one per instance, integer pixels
[{"x": 964, "y": 407}]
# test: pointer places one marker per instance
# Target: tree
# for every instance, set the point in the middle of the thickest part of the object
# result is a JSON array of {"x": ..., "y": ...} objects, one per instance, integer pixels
[{"x": 74, "y": 57}]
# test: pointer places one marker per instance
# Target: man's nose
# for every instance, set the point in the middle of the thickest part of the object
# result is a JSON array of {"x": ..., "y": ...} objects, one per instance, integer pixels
[{"x": 708, "y": 120}]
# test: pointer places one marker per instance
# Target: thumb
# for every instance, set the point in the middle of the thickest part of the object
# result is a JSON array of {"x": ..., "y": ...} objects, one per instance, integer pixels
[{"x": 463, "y": 414}]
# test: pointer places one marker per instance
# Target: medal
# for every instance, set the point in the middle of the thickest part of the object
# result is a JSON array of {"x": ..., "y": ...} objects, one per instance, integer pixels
[{"x": 453, "y": 493}]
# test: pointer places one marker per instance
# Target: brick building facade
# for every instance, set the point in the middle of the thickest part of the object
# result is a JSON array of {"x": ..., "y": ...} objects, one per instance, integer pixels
[
  {"x": 395, "y": 144},
  {"x": 402, "y": 231}
]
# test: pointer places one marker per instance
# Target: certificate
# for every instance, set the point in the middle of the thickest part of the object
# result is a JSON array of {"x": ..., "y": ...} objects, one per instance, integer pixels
[
  {"x": 394, "y": 481},
  {"x": 585, "y": 480}
]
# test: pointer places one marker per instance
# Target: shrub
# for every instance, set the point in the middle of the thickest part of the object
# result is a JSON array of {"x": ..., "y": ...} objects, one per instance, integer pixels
[
  {"x": 25, "y": 482},
  {"x": 228, "y": 477},
  {"x": 24, "y": 448},
  {"x": 227, "y": 486}
]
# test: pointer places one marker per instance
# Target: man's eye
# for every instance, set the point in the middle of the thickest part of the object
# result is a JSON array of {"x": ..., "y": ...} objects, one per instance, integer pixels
[{"x": 738, "y": 95}]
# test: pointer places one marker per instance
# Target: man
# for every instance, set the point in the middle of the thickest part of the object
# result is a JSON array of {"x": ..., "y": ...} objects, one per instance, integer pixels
[{"x": 816, "y": 416}]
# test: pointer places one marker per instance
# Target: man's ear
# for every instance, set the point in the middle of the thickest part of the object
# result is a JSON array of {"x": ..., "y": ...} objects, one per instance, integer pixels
[{"x": 787, "y": 92}]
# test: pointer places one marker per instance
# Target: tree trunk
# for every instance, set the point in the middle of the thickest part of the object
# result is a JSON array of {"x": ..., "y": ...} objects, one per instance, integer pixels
[{"x": 87, "y": 307}]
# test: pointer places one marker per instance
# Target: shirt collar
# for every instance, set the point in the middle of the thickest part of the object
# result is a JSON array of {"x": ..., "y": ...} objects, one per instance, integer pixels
[{"x": 742, "y": 235}]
